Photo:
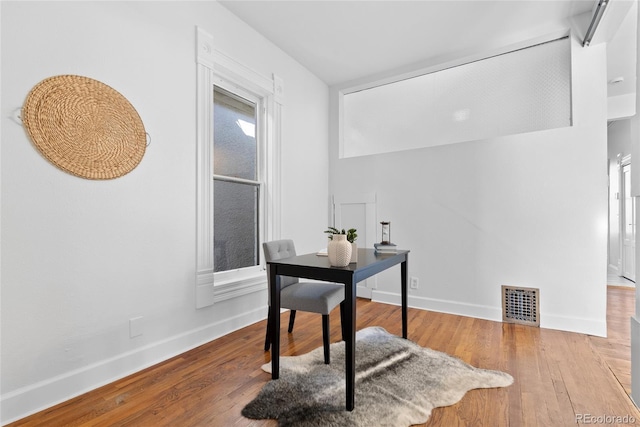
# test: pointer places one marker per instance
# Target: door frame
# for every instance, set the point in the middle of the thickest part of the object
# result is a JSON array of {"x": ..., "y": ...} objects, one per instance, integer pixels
[
  {"x": 623, "y": 161},
  {"x": 365, "y": 288}
]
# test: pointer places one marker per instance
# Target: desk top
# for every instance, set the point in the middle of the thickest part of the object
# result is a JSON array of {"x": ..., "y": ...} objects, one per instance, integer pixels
[
  {"x": 369, "y": 263},
  {"x": 365, "y": 258}
]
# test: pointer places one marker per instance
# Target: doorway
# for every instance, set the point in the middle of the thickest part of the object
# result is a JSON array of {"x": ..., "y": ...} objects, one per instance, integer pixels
[
  {"x": 358, "y": 211},
  {"x": 621, "y": 247},
  {"x": 627, "y": 222}
]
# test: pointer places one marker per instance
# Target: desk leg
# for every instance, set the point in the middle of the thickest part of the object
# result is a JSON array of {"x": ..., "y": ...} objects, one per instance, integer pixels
[
  {"x": 350, "y": 342},
  {"x": 403, "y": 291},
  {"x": 275, "y": 322}
]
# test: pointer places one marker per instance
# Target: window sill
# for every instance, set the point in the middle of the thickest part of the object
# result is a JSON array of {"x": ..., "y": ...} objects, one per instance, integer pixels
[
  {"x": 212, "y": 289},
  {"x": 233, "y": 288}
]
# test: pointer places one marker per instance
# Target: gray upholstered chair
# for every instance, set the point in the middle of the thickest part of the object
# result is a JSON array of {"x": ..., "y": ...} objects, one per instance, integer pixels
[{"x": 315, "y": 297}]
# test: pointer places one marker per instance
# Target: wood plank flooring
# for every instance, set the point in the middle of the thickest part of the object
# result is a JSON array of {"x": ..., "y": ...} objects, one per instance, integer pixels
[
  {"x": 615, "y": 350},
  {"x": 559, "y": 376}
]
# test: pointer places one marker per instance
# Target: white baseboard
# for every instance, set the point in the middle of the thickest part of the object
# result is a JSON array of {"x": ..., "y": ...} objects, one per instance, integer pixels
[
  {"x": 363, "y": 292},
  {"x": 36, "y": 397},
  {"x": 574, "y": 324},
  {"x": 549, "y": 321},
  {"x": 442, "y": 306}
]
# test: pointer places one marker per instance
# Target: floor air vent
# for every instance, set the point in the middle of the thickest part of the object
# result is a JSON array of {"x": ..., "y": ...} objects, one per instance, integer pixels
[{"x": 521, "y": 305}]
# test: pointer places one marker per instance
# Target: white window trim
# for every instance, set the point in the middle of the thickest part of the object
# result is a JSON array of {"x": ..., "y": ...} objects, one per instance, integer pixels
[{"x": 217, "y": 68}]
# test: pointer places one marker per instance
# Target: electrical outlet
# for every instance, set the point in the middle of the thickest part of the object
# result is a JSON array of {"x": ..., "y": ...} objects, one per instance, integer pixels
[
  {"x": 413, "y": 282},
  {"x": 135, "y": 327}
]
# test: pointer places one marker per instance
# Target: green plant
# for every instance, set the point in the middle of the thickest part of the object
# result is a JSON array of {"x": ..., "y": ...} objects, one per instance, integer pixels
[
  {"x": 351, "y": 233},
  {"x": 332, "y": 230}
]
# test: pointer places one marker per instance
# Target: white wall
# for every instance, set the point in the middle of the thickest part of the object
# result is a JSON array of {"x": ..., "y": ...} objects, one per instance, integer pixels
[
  {"x": 80, "y": 257},
  {"x": 523, "y": 210},
  {"x": 635, "y": 192},
  {"x": 621, "y": 106}
]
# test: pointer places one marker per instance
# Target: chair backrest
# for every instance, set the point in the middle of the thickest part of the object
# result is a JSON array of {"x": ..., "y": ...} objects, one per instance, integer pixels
[{"x": 279, "y": 249}]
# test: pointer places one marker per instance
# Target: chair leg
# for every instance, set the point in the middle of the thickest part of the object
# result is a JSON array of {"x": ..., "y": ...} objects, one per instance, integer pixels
[
  {"x": 292, "y": 318},
  {"x": 342, "y": 320},
  {"x": 267, "y": 340},
  {"x": 325, "y": 337}
]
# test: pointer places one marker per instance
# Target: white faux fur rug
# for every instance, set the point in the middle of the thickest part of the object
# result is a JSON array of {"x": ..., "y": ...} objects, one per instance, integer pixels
[{"x": 398, "y": 383}]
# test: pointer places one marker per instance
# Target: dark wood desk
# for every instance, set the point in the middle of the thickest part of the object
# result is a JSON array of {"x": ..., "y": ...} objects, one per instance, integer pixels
[{"x": 312, "y": 266}]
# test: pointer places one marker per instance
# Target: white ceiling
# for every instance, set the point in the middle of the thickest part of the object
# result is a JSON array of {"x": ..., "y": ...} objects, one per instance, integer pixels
[{"x": 341, "y": 41}]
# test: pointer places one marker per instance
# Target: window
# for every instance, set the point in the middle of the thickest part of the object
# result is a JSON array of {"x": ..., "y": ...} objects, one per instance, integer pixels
[
  {"x": 519, "y": 91},
  {"x": 238, "y": 184},
  {"x": 237, "y": 206}
]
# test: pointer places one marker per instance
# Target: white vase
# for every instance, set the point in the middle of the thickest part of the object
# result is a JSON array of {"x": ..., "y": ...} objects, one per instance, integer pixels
[{"x": 339, "y": 251}]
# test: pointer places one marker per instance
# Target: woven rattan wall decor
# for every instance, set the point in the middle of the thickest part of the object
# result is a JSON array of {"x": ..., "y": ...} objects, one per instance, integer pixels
[{"x": 84, "y": 127}]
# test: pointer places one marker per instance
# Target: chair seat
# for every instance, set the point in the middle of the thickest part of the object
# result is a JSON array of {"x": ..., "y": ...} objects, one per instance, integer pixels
[{"x": 311, "y": 296}]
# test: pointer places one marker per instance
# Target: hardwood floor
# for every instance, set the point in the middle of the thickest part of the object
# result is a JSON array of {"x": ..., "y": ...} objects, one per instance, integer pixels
[
  {"x": 559, "y": 376},
  {"x": 615, "y": 350}
]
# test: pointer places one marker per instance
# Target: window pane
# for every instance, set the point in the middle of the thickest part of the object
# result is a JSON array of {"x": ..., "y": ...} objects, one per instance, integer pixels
[
  {"x": 234, "y": 132},
  {"x": 235, "y": 228}
]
